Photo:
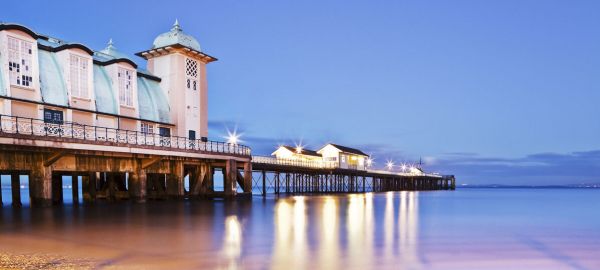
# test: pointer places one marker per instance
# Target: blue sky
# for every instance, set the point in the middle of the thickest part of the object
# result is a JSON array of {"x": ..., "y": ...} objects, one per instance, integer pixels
[{"x": 493, "y": 91}]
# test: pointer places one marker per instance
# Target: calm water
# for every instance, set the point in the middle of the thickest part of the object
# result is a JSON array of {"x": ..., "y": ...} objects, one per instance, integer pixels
[{"x": 463, "y": 229}]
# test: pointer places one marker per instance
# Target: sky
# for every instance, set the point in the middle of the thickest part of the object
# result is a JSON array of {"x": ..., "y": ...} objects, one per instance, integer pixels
[{"x": 495, "y": 92}]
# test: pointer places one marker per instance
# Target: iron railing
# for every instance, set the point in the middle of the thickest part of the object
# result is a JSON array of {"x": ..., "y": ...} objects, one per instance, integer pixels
[
  {"x": 405, "y": 173},
  {"x": 41, "y": 128},
  {"x": 295, "y": 163}
]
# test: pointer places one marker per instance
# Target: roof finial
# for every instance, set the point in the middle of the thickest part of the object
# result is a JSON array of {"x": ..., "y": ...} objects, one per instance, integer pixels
[
  {"x": 176, "y": 25},
  {"x": 110, "y": 43}
]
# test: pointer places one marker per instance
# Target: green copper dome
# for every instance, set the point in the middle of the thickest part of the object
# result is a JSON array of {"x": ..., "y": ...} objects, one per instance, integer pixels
[
  {"x": 111, "y": 50},
  {"x": 176, "y": 36}
]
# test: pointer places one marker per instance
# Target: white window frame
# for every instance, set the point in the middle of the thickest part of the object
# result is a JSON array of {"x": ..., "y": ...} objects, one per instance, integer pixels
[
  {"x": 147, "y": 128},
  {"x": 125, "y": 79},
  {"x": 78, "y": 72},
  {"x": 192, "y": 72},
  {"x": 20, "y": 62}
]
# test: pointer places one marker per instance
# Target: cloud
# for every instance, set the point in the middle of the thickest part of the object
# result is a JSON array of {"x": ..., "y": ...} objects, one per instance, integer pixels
[{"x": 534, "y": 169}]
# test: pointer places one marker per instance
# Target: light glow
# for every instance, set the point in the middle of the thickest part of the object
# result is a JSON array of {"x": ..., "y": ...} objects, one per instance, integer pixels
[
  {"x": 389, "y": 165},
  {"x": 403, "y": 167},
  {"x": 233, "y": 137},
  {"x": 369, "y": 162},
  {"x": 299, "y": 147}
]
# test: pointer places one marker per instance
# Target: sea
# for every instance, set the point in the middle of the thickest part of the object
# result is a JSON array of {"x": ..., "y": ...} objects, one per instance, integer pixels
[{"x": 468, "y": 228}]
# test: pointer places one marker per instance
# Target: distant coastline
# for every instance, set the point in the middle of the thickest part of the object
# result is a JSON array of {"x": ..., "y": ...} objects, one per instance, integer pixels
[{"x": 576, "y": 186}]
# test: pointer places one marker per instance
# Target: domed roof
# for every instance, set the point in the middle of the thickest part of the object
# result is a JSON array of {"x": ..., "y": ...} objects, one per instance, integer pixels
[
  {"x": 112, "y": 51},
  {"x": 176, "y": 36}
]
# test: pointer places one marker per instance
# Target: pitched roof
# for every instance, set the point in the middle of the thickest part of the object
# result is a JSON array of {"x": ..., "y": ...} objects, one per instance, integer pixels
[
  {"x": 349, "y": 150},
  {"x": 303, "y": 152}
]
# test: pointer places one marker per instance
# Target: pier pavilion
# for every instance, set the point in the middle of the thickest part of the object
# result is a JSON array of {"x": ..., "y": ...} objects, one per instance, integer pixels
[{"x": 128, "y": 132}]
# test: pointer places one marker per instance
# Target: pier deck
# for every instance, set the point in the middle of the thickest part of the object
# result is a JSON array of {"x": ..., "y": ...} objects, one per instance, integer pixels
[{"x": 116, "y": 164}]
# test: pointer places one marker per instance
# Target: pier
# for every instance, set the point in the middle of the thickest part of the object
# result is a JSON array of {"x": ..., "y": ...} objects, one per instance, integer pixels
[
  {"x": 272, "y": 175},
  {"x": 116, "y": 164}
]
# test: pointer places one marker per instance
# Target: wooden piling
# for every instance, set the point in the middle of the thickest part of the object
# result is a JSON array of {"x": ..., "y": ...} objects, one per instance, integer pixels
[
  {"x": 75, "y": 188},
  {"x": 15, "y": 185},
  {"x": 137, "y": 185},
  {"x": 175, "y": 180},
  {"x": 40, "y": 184},
  {"x": 57, "y": 189}
]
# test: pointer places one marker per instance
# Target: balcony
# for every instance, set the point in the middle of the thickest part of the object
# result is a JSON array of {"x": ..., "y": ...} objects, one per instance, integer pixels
[{"x": 14, "y": 126}]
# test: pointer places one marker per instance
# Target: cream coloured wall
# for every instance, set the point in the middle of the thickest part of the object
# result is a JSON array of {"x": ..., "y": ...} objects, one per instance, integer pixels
[
  {"x": 188, "y": 108},
  {"x": 203, "y": 101},
  {"x": 192, "y": 102},
  {"x": 84, "y": 118},
  {"x": 23, "y": 109},
  {"x": 106, "y": 121},
  {"x": 128, "y": 124}
]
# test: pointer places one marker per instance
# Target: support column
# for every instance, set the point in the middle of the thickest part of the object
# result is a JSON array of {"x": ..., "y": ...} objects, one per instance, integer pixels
[
  {"x": 111, "y": 187},
  {"x": 75, "y": 188},
  {"x": 15, "y": 184},
  {"x": 175, "y": 188},
  {"x": 88, "y": 187},
  {"x": 137, "y": 185},
  {"x": 287, "y": 183},
  {"x": 40, "y": 184},
  {"x": 264, "y": 184},
  {"x": 57, "y": 189},
  {"x": 230, "y": 177},
  {"x": 248, "y": 177}
]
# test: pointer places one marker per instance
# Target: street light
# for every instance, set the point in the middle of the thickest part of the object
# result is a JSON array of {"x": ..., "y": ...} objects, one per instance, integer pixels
[
  {"x": 389, "y": 165},
  {"x": 233, "y": 137},
  {"x": 369, "y": 162}
]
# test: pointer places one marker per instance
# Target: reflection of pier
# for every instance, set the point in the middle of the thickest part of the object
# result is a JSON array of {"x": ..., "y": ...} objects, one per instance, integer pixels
[{"x": 277, "y": 176}]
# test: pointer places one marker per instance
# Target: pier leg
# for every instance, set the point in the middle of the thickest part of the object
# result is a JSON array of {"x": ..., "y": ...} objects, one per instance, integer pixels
[
  {"x": 57, "y": 189},
  {"x": 75, "y": 188},
  {"x": 111, "y": 186},
  {"x": 40, "y": 184},
  {"x": 15, "y": 184},
  {"x": 264, "y": 183},
  {"x": 287, "y": 183},
  {"x": 175, "y": 188},
  {"x": 137, "y": 185},
  {"x": 277, "y": 183},
  {"x": 248, "y": 178},
  {"x": 87, "y": 183},
  {"x": 230, "y": 177}
]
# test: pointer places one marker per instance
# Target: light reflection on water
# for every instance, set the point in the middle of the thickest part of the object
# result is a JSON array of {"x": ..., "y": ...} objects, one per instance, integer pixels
[{"x": 482, "y": 229}]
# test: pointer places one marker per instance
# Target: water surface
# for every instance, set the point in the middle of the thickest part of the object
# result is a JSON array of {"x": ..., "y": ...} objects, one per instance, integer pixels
[{"x": 462, "y": 229}]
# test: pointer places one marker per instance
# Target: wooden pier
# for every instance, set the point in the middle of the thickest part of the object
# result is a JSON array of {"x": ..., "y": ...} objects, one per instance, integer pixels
[{"x": 117, "y": 165}]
